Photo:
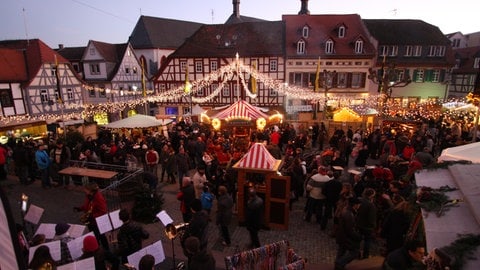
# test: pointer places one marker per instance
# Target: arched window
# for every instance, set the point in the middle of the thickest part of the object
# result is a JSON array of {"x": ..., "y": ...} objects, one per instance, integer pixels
[
  {"x": 341, "y": 31},
  {"x": 305, "y": 32},
  {"x": 301, "y": 47},
  {"x": 359, "y": 46},
  {"x": 329, "y": 47}
]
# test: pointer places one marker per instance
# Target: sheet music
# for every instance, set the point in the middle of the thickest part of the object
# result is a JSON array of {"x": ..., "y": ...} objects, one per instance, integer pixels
[
  {"x": 164, "y": 218},
  {"x": 352, "y": 171},
  {"x": 155, "y": 249},
  {"x": 88, "y": 263},
  {"x": 115, "y": 218},
  {"x": 104, "y": 224},
  {"x": 75, "y": 246},
  {"x": 76, "y": 230},
  {"x": 48, "y": 229},
  {"x": 33, "y": 214},
  {"x": 54, "y": 247}
]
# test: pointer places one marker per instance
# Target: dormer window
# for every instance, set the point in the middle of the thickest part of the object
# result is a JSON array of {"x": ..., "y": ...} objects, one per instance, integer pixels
[
  {"x": 305, "y": 32},
  {"x": 301, "y": 47},
  {"x": 341, "y": 31},
  {"x": 476, "y": 62},
  {"x": 329, "y": 47},
  {"x": 359, "y": 46}
]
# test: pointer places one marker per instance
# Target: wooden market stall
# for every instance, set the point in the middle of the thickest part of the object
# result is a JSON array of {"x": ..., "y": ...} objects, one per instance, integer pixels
[{"x": 259, "y": 169}]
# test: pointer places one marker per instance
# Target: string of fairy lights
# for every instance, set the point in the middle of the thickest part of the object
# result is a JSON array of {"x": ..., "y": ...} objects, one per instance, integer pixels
[{"x": 217, "y": 81}]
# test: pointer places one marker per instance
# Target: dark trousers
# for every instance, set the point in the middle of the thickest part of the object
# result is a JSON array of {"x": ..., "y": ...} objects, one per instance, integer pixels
[
  {"x": 45, "y": 173},
  {"x": 345, "y": 256},
  {"x": 317, "y": 207},
  {"x": 226, "y": 234},
  {"x": 367, "y": 236},
  {"x": 254, "y": 238}
]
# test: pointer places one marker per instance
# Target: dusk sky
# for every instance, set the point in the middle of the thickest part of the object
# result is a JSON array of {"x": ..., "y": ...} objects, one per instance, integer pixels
[{"x": 75, "y": 22}]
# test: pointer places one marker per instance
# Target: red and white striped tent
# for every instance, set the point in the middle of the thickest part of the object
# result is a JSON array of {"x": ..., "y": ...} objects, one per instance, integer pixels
[
  {"x": 258, "y": 158},
  {"x": 240, "y": 110}
]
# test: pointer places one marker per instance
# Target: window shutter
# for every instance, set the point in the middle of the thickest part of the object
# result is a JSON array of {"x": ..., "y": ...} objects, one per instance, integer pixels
[{"x": 428, "y": 75}]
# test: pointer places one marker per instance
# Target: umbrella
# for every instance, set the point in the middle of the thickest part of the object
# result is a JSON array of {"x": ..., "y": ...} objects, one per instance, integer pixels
[{"x": 138, "y": 121}]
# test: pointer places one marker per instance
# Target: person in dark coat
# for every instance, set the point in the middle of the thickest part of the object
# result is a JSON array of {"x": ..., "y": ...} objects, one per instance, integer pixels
[
  {"x": 408, "y": 257},
  {"x": 254, "y": 216},
  {"x": 198, "y": 259},
  {"x": 331, "y": 190},
  {"x": 130, "y": 236},
  {"x": 396, "y": 225},
  {"x": 183, "y": 164},
  {"x": 224, "y": 213},
  {"x": 197, "y": 226},
  {"x": 186, "y": 196},
  {"x": 348, "y": 239},
  {"x": 366, "y": 220}
]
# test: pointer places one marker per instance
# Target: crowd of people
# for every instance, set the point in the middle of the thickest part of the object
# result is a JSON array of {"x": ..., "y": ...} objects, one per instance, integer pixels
[{"x": 371, "y": 202}]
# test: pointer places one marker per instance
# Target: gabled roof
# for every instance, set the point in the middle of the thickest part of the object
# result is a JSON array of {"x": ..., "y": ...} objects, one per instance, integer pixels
[
  {"x": 323, "y": 28},
  {"x": 248, "y": 39},
  {"x": 151, "y": 32},
  {"x": 73, "y": 54},
  {"x": 36, "y": 52},
  {"x": 258, "y": 158},
  {"x": 111, "y": 53},
  {"x": 241, "y": 19},
  {"x": 12, "y": 66},
  {"x": 405, "y": 32},
  {"x": 467, "y": 59},
  {"x": 240, "y": 110}
]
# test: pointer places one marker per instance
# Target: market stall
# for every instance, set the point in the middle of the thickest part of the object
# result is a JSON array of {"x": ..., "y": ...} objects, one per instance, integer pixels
[{"x": 259, "y": 169}]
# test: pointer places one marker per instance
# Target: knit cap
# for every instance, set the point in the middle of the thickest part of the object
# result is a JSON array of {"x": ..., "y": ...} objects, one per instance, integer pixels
[{"x": 90, "y": 244}]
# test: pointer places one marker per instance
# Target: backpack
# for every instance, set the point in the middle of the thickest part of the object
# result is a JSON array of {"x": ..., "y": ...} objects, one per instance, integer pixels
[{"x": 151, "y": 158}]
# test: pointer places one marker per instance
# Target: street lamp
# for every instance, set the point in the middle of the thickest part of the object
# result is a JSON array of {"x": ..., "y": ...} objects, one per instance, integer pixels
[{"x": 387, "y": 77}]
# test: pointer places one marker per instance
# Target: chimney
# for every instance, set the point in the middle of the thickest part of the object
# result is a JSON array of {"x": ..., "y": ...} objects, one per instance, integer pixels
[
  {"x": 236, "y": 8},
  {"x": 304, "y": 10},
  {"x": 60, "y": 46}
]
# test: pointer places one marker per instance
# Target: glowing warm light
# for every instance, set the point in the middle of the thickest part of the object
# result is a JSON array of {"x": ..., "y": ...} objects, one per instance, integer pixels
[
  {"x": 216, "y": 123},
  {"x": 261, "y": 123}
]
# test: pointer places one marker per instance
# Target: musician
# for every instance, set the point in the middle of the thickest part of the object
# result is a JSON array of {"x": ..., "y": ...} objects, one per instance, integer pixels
[{"x": 93, "y": 206}]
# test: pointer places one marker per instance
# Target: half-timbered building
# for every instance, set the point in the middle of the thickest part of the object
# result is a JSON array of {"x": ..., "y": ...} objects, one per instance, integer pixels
[
  {"x": 465, "y": 71},
  {"x": 212, "y": 59},
  {"x": 46, "y": 86},
  {"x": 113, "y": 75}
]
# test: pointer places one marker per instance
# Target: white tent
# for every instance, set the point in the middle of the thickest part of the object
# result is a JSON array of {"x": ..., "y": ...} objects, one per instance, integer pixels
[
  {"x": 470, "y": 152},
  {"x": 139, "y": 121}
]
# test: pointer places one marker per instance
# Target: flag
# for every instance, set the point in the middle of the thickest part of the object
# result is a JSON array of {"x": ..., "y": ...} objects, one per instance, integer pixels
[
  {"x": 381, "y": 75},
  {"x": 188, "y": 85},
  {"x": 317, "y": 77},
  {"x": 144, "y": 87},
  {"x": 57, "y": 75},
  {"x": 253, "y": 80}
]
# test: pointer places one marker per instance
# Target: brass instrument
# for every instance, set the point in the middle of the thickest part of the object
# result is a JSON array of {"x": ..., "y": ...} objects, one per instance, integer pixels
[{"x": 172, "y": 231}]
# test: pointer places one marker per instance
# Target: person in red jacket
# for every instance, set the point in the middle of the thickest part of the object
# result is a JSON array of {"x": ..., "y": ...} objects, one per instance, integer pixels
[{"x": 94, "y": 206}]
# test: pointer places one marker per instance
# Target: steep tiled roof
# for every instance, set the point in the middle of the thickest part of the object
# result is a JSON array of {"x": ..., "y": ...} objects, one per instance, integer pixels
[
  {"x": 323, "y": 28},
  {"x": 74, "y": 54},
  {"x": 37, "y": 53},
  {"x": 248, "y": 39},
  {"x": 405, "y": 32},
  {"x": 111, "y": 53},
  {"x": 234, "y": 19},
  {"x": 12, "y": 66},
  {"x": 467, "y": 58},
  {"x": 151, "y": 32}
]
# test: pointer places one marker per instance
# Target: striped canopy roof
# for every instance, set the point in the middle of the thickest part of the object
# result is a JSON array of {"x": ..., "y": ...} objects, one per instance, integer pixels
[
  {"x": 258, "y": 157},
  {"x": 240, "y": 110}
]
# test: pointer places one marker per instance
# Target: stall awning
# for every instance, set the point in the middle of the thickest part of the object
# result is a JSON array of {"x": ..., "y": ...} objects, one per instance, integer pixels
[
  {"x": 240, "y": 110},
  {"x": 258, "y": 158},
  {"x": 20, "y": 124}
]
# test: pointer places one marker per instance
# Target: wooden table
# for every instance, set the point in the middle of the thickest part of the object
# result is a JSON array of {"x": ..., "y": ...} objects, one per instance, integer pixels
[{"x": 85, "y": 173}]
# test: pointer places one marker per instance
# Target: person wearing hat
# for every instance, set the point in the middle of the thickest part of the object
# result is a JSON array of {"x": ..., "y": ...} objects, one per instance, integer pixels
[
  {"x": 347, "y": 237},
  {"x": 60, "y": 156},
  {"x": 61, "y": 233},
  {"x": 92, "y": 249}
]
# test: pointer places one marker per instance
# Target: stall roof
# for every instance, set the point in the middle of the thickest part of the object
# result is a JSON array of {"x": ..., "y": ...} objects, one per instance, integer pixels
[
  {"x": 241, "y": 110},
  {"x": 442, "y": 230},
  {"x": 470, "y": 152},
  {"x": 258, "y": 158}
]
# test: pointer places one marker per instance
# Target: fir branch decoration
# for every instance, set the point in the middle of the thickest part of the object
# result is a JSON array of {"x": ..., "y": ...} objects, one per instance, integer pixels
[
  {"x": 462, "y": 249},
  {"x": 435, "y": 200},
  {"x": 445, "y": 164}
]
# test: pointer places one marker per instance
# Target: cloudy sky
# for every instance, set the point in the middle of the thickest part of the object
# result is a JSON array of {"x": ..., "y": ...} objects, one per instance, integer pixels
[{"x": 75, "y": 22}]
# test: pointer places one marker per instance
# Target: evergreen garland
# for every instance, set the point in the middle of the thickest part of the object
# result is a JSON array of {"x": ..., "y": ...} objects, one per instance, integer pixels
[
  {"x": 435, "y": 200},
  {"x": 462, "y": 249}
]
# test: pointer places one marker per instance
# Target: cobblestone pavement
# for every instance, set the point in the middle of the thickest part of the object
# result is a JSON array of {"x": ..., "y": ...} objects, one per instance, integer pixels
[{"x": 306, "y": 238}]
